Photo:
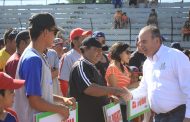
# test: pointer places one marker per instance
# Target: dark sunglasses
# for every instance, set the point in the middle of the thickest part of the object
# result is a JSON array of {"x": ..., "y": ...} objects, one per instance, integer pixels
[
  {"x": 128, "y": 52},
  {"x": 59, "y": 44},
  {"x": 55, "y": 30}
]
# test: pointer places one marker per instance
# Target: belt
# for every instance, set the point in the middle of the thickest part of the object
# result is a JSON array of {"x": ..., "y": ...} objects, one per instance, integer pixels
[{"x": 179, "y": 108}]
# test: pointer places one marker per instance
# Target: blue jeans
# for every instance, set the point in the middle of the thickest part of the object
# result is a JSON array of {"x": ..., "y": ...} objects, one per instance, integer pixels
[{"x": 177, "y": 115}]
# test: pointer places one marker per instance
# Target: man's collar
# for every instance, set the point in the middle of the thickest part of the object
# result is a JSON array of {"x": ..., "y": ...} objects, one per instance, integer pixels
[
  {"x": 75, "y": 51},
  {"x": 88, "y": 62},
  {"x": 158, "y": 53}
]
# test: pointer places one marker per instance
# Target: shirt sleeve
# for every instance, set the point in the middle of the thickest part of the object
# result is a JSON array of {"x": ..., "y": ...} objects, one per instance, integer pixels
[
  {"x": 85, "y": 77},
  {"x": 110, "y": 70},
  {"x": 1, "y": 64},
  {"x": 65, "y": 69},
  {"x": 56, "y": 63},
  {"x": 182, "y": 72},
  {"x": 31, "y": 72},
  {"x": 141, "y": 90}
]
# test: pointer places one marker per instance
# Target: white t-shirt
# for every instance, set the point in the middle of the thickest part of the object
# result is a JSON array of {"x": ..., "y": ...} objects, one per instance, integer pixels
[
  {"x": 53, "y": 60},
  {"x": 22, "y": 107},
  {"x": 66, "y": 64}
]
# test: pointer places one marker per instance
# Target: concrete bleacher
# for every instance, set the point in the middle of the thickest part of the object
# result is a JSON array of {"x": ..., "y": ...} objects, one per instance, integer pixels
[{"x": 100, "y": 17}]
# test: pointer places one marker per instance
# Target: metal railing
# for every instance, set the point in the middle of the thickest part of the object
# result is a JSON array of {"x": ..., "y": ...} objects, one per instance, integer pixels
[
  {"x": 46, "y": 2},
  {"x": 172, "y": 27},
  {"x": 130, "y": 31}
]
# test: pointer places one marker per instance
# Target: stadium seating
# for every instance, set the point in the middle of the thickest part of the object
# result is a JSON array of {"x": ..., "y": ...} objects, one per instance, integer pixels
[{"x": 100, "y": 17}]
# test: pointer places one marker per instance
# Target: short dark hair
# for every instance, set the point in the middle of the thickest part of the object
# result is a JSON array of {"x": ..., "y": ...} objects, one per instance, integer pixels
[
  {"x": 10, "y": 34},
  {"x": 2, "y": 42},
  {"x": 23, "y": 35},
  {"x": 186, "y": 52},
  {"x": 72, "y": 45},
  {"x": 2, "y": 92},
  {"x": 6, "y": 34},
  {"x": 76, "y": 38},
  {"x": 40, "y": 22}
]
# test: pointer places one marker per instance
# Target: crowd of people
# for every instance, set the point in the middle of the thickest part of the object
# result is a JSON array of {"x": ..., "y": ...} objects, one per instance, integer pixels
[
  {"x": 42, "y": 73},
  {"x": 121, "y": 20},
  {"x": 120, "y": 3},
  {"x": 135, "y": 3}
]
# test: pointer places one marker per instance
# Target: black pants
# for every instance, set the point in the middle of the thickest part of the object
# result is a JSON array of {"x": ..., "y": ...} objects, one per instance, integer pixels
[
  {"x": 124, "y": 112},
  {"x": 186, "y": 37},
  {"x": 132, "y": 2},
  {"x": 118, "y": 3},
  {"x": 175, "y": 115}
]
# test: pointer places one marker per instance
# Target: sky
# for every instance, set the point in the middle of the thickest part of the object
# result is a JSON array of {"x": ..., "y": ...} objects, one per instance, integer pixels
[{"x": 43, "y": 2}]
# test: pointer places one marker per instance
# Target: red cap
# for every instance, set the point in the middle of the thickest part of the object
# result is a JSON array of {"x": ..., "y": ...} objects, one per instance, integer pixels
[
  {"x": 7, "y": 82},
  {"x": 87, "y": 33},
  {"x": 78, "y": 32}
]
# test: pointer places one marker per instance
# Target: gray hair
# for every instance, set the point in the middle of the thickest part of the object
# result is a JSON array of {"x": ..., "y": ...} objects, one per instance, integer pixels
[{"x": 153, "y": 29}]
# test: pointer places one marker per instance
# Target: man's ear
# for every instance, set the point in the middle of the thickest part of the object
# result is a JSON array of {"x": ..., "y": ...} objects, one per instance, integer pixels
[
  {"x": 74, "y": 42},
  {"x": 158, "y": 40}
]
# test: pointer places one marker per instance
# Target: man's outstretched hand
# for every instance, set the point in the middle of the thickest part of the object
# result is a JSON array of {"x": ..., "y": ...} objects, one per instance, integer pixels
[{"x": 123, "y": 93}]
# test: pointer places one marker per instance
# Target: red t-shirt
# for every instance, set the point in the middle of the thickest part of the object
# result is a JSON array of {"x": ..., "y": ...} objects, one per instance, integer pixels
[{"x": 11, "y": 65}]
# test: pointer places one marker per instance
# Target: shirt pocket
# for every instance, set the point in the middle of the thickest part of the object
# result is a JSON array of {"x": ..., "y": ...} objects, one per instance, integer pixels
[{"x": 162, "y": 71}]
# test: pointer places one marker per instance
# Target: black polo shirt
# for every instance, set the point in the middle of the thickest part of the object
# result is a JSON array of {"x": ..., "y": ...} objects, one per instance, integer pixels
[
  {"x": 82, "y": 75},
  {"x": 102, "y": 67}
]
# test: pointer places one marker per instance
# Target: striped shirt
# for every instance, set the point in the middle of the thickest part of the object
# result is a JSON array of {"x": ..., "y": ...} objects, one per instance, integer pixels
[{"x": 83, "y": 74}]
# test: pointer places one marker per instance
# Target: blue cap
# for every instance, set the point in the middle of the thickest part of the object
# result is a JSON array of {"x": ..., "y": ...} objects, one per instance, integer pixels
[{"x": 97, "y": 34}]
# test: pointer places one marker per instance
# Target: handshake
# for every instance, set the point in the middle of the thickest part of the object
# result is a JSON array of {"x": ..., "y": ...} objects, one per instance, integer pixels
[{"x": 123, "y": 93}]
